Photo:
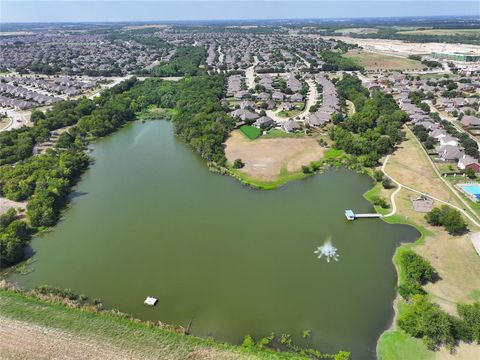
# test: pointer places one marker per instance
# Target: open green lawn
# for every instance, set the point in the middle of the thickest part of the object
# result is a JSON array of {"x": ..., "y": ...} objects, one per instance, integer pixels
[
  {"x": 333, "y": 154},
  {"x": 251, "y": 131},
  {"x": 140, "y": 338},
  {"x": 290, "y": 113},
  {"x": 376, "y": 61},
  {"x": 277, "y": 133}
]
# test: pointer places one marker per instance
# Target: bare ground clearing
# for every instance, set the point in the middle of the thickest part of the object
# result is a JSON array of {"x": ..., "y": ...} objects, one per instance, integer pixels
[
  {"x": 6, "y": 204},
  {"x": 266, "y": 159},
  {"x": 21, "y": 340}
]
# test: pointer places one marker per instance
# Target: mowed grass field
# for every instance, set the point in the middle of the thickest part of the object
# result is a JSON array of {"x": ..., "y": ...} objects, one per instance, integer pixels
[
  {"x": 377, "y": 62},
  {"x": 442, "y": 32},
  {"x": 251, "y": 131}
]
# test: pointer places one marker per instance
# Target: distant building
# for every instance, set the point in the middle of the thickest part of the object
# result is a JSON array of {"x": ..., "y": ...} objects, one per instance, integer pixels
[{"x": 465, "y": 57}]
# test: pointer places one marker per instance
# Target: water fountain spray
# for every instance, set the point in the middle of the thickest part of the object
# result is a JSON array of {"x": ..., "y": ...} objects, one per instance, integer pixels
[{"x": 327, "y": 250}]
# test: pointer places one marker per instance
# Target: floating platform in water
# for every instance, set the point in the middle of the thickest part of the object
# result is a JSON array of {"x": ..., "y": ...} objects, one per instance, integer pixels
[
  {"x": 150, "y": 301},
  {"x": 350, "y": 215}
]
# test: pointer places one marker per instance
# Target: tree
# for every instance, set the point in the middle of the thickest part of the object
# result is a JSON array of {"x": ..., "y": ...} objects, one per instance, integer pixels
[
  {"x": 470, "y": 173},
  {"x": 8, "y": 217},
  {"x": 454, "y": 223},
  {"x": 387, "y": 183},
  {"x": 434, "y": 217},
  {"x": 36, "y": 116}
]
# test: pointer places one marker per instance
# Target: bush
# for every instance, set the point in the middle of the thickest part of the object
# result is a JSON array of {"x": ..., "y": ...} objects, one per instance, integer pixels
[
  {"x": 378, "y": 175},
  {"x": 238, "y": 164},
  {"x": 387, "y": 183},
  {"x": 248, "y": 342},
  {"x": 470, "y": 173},
  {"x": 378, "y": 201}
]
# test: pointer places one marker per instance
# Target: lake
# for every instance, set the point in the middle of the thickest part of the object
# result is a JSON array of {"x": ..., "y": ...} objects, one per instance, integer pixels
[{"x": 149, "y": 219}]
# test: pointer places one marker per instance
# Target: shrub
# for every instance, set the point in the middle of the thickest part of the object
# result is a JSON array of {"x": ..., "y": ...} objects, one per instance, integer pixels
[
  {"x": 378, "y": 175},
  {"x": 248, "y": 342},
  {"x": 470, "y": 173},
  {"x": 387, "y": 183},
  {"x": 378, "y": 201},
  {"x": 238, "y": 164}
]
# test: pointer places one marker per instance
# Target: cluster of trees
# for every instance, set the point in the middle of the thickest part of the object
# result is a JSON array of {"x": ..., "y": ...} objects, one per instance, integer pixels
[
  {"x": 334, "y": 61},
  {"x": 39, "y": 68},
  {"x": 417, "y": 96},
  {"x": 422, "y": 135},
  {"x": 449, "y": 218},
  {"x": 431, "y": 64},
  {"x": 14, "y": 236},
  {"x": 200, "y": 118},
  {"x": 418, "y": 272},
  {"x": 425, "y": 320},
  {"x": 374, "y": 129},
  {"x": 185, "y": 62}
]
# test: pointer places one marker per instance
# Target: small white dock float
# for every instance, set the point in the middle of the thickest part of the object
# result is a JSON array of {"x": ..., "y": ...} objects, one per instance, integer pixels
[
  {"x": 350, "y": 215},
  {"x": 150, "y": 301}
]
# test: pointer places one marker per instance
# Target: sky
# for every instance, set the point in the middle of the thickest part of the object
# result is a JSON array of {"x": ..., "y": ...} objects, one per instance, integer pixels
[{"x": 175, "y": 10}]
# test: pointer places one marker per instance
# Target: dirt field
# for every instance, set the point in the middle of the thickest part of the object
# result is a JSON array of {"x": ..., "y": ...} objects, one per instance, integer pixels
[
  {"x": 442, "y": 32},
  {"x": 21, "y": 340},
  {"x": 398, "y": 47},
  {"x": 374, "y": 61},
  {"x": 357, "y": 31},
  {"x": 454, "y": 258},
  {"x": 266, "y": 159}
]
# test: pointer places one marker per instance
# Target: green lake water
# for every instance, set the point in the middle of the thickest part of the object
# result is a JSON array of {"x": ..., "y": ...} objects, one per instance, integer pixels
[{"x": 149, "y": 219}]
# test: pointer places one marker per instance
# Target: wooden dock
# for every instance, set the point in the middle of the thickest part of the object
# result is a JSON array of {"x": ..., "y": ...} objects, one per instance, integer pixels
[{"x": 350, "y": 215}]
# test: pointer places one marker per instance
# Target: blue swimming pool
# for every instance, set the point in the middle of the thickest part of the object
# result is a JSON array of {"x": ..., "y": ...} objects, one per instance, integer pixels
[{"x": 472, "y": 189}]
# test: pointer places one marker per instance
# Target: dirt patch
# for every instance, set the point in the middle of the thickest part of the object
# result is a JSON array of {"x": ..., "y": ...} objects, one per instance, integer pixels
[
  {"x": 6, "y": 204},
  {"x": 268, "y": 159},
  {"x": 461, "y": 352},
  {"x": 21, "y": 340}
]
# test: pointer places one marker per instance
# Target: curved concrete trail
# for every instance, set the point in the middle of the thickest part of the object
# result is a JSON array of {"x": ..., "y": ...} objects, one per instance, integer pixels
[{"x": 400, "y": 186}]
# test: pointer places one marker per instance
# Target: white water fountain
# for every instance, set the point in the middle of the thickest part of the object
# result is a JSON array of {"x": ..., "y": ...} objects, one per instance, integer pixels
[{"x": 327, "y": 250}]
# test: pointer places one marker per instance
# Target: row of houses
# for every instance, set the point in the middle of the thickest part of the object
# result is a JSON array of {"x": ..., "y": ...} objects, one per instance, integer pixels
[
  {"x": 329, "y": 104},
  {"x": 61, "y": 85},
  {"x": 25, "y": 94}
]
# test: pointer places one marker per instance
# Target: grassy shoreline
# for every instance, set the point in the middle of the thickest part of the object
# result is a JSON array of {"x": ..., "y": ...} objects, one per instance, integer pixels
[{"x": 142, "y": 338}]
